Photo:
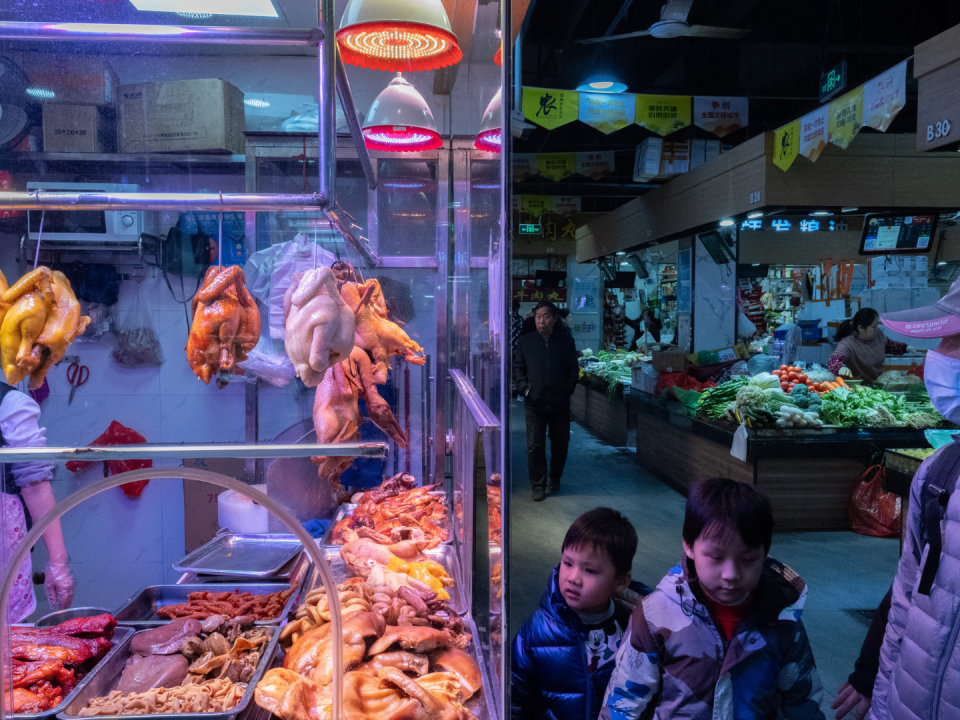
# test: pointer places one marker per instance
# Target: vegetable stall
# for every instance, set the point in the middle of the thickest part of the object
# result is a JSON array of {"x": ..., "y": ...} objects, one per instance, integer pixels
[
  {"x": 808, "y": 437},
  {"x": 599, "y": 404}
]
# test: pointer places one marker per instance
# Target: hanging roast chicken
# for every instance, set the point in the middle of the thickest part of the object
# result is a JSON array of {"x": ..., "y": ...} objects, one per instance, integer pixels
[
  {"x": 375, "y": 332},
  {"x": 336, "y": 412},
  {"x": 39, "y": 318},
  {"x": 226, "y": 325},
  {"x": 318, "y": 324}
]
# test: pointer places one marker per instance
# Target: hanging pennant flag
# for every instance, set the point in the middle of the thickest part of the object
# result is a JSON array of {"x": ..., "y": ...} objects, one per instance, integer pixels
[
  {"x": 524, "y": 166},
  {"x": 550, "y": 108},
  {"x": 786, "y": 145},
  {"x": 721, "y": 115},
  {"x": 845, "y": 118},
  {"x": 536, "y": 205},
  {"x": 595, "y": 165},
  {"x": 813, "y": 133},
  {"x": 566, "y": 204},
  {"x": 607, "y": 112},
  {"x": 663, "y": 114},
  {"x": 556, "y": 166},
  {"x": 884, "y": 96}
]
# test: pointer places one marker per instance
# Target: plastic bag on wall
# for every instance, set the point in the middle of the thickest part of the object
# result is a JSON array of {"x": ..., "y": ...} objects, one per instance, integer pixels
[{"x": 138, "y": 344}]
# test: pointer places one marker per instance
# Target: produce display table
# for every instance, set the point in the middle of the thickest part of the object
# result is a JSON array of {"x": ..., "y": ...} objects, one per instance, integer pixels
[
  {"x": 807, "y": 474},
  {"x": 593, "y": 409}
]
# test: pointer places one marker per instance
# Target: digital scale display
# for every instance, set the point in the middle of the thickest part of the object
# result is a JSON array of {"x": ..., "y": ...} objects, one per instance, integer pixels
[{"x": 892, "y": 234}]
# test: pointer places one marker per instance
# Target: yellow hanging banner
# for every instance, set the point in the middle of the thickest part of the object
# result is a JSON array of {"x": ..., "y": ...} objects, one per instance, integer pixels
[
  {"x": 550, "y": 108},
  {"x": 845, "y": 118},
  {"x": 663, "y": 114},
  {"x": 556, "y": 166},
  {"x": 786, "y": 145},
  {"x": 536, "y": 205}
]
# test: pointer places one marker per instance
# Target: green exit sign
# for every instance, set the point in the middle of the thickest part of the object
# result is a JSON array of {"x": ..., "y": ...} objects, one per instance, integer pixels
[
  {"x": 530, "y": 229},
  {"x": 833, "y": 82}
]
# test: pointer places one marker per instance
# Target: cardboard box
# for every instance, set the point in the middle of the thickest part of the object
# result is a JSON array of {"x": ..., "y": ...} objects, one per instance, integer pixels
[
  {"x": 200, "y": 521},
  {"x": 646, "y": 164},
  {"x": 182, "y": 116},
  {"x": 710, "y": 357},
  {"x": 73, "y": 79},
  {"x": 703, "y": 151},
  {"x": 674, "y": 360},
  {"x": 78, "y": 128},
  {"x": 675, "y": 159}
]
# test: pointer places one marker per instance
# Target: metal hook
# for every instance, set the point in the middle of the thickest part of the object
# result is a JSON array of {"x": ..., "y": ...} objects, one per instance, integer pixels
[{"x": 36, "y": 257}]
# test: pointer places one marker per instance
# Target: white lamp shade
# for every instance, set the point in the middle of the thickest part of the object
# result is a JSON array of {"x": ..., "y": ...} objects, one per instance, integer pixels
[
  {"x": 490, "y": 137},
  {"x": 400, "y": 120}
]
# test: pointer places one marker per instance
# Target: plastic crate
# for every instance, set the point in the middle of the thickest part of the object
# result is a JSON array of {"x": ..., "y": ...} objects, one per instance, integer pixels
[{"x": 810, "y": 330}]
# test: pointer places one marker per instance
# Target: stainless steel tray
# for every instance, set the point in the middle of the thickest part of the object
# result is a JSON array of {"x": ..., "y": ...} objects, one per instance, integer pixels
[
  {"x": 287, "y": 572},
  {"x": 445, "y": 555},
  {"x": 348, "y": 508},
  {"x": 141, "y": 609},
  {"x": 237, "y": 554},
  {"x": 104, "y": 679},
  {"x": 121, "y": 637}
]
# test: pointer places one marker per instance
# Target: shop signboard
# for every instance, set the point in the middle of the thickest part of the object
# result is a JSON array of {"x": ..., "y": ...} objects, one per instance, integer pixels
[
  {"x": 833, "y": 82},
  {"x": 813, "y": 133},
  {"x": 607, "y": 112},
  {"x": 786, "y": 145},
  {"x": 845, "y": 118},
  {"x": 937, "y": 72},
  {"x": 884, "y": 97},
  {"x": 663, "y": 114},
  {"x": 721, "y": 115},
  {"x": 550, "y": 108}
]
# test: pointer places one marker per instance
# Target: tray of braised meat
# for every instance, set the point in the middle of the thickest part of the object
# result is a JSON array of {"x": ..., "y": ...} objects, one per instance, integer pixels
[
  {"x": 266, "y": 603},
  {"x": 185, "y": 668},
  {"x": 405, "y": 653},
  {"x": 397, "y": 510},
  {"x": 50, "y": 663}
]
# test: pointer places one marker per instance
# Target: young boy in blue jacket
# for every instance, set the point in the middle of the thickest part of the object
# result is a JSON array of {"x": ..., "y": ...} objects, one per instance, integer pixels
[{"x": 564, "y": 654}]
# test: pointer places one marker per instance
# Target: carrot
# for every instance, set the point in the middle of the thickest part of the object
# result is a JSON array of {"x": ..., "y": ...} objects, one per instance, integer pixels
[{"x": 840, "y": 381}]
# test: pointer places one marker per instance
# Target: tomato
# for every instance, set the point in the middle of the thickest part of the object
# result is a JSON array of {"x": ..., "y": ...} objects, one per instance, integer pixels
[
  {"x": 801, "y": 377},
  {"x": 793, "y": 377},
  {"x": 785, "y": 387},
  {"x": 784, "y": 367},
  {"x": 778, "y": 373}
]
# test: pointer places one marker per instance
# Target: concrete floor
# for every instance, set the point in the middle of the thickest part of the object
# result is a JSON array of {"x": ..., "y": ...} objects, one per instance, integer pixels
[{"x": 846, "y": 573}]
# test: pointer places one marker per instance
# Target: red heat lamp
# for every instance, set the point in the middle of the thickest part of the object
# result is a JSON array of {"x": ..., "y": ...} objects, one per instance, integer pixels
[
  {"x": 490, "y": 137},
  {"x": 400, "y": 121},
  {"x": 397, "y": 35},
  {"x": 498, "y": 58}
]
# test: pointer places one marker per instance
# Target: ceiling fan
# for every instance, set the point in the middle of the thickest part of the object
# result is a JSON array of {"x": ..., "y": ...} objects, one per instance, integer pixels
[{"x": 673, "y": 24}]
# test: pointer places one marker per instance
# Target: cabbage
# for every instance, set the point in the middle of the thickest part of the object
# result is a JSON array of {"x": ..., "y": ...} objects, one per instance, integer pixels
[{"x": 765, "y": 381}]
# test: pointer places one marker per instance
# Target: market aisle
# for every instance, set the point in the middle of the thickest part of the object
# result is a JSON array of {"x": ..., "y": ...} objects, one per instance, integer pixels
[{"x": 846, "y": 573}]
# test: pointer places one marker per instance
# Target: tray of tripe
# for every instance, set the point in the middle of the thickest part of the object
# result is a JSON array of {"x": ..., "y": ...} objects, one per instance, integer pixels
[
  {"x": 437, "y": 568},
  {"x": 54, "y": 653},
  {"x": 212, "y": 674},
  {"x": 238, "y": 554},
  {"x": 267, "y": 603}
]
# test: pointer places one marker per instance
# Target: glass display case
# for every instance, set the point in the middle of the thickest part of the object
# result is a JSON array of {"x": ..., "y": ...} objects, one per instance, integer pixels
[{"x": 283, "y": 347}]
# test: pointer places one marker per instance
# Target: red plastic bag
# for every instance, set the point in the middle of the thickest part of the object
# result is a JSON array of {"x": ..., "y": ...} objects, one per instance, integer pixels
[
  {"x": 872, "y": 511},
  {"x": 683, "y": 380},
  {"x": 118, "y": 434}
]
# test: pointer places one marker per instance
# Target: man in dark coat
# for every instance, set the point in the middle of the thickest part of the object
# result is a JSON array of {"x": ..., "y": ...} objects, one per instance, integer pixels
[{"x": 546, "y": 370}]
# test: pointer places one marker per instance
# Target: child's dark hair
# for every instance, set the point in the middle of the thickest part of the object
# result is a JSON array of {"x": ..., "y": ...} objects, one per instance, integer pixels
[
  {"x": 863, "y": 318},
  {"x": 607, "y": 530},
  {"x": 717, "y": 505}
]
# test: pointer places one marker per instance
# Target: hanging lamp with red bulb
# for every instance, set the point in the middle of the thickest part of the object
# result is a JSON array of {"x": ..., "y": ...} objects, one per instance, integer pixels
[
  {"x": 397, "y": 35},
  {"x": 498, "y": 57},
  {"x": 400, "y": 120},
  {"x": 490, "y": 137}
]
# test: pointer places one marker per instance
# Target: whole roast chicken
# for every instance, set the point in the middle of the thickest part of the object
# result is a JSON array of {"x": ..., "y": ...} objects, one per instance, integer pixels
[
  {"x": 319, "y": 325},
  {"x": 39, "y": 319},
  {"x": 226, "y": 324}
]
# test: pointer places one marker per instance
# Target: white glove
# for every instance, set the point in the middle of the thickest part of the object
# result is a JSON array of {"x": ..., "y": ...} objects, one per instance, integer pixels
[
  {"x": 59, "y": 584},
  {"x": 845, "y": 372}
]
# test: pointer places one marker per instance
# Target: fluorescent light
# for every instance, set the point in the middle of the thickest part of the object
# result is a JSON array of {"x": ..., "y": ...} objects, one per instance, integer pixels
[
  {"x": 249, "y": 8},
  {"x": 752, "y": 216},
  {"x": 621, "y": 252},
  {"x": 726, "y": 223},
  {"x": 941, "y": 263},
  {"x": 821, "y": 212},
  {"x": 41, "y": 93},
  {"x": 848, "y": 209},
  {"x": 602, "y": 84},
  {"x": 195, "y": 16},
  {"x": 755, "y": 265},
  {"x": 98, "y": 28},
  {"x": 256, "y": 102}
]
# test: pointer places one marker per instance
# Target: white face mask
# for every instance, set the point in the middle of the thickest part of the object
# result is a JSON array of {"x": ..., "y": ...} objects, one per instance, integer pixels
[{"x": 941, "y": 375}]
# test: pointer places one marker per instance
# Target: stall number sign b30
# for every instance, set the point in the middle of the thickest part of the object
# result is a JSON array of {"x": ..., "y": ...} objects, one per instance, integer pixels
[{"x": 938, "y": 130}]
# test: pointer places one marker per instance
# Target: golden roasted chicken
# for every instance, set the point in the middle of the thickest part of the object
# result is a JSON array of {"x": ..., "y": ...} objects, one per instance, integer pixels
[
  {"x": 375, "y": 332},
  {"x": 318, "y": 324},
  {"x": 39, "y": 318},
  {"x": 226, "y": 325}
]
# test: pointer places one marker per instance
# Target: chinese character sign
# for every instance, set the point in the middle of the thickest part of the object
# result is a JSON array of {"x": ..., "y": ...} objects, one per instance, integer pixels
[
  {"x": 786, "y": 145},
  {"x": 566, "y": 204},
  {"x": 556, "y": 166},
  {"x": 550, "y": 108},
  {"x": 813, "y": 133},
  {"x": 524, "y": 166},
  {"x": 721, "y": 115},
  {"x": 845, "y": 118},
  {"x": 535, "y": 205},
  {"x": 594, "y": 165},
  {"x": 884, "y": 96},
  {"x": 586, "y": 293},
  {"x": 607, "y": 112},
  {"x": 663, "y": 114}
]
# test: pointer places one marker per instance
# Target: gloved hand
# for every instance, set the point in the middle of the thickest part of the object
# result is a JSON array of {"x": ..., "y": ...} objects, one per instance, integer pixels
[
  {"x": 59, "y": 584},
  {"x": 845, "y": 372}
]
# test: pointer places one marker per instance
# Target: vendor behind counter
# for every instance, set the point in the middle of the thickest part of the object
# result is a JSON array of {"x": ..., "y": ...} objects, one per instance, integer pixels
[{"x": 862, "y": 347}]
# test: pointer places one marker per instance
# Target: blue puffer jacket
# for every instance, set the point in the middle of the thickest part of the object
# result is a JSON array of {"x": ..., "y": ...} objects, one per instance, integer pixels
[{"x": 550, "y": 679}]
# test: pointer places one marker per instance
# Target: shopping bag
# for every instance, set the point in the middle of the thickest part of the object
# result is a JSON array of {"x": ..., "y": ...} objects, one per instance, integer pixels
[
  {"x": 872, "y": 511},
  {"x": 138, "y": 344}
]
